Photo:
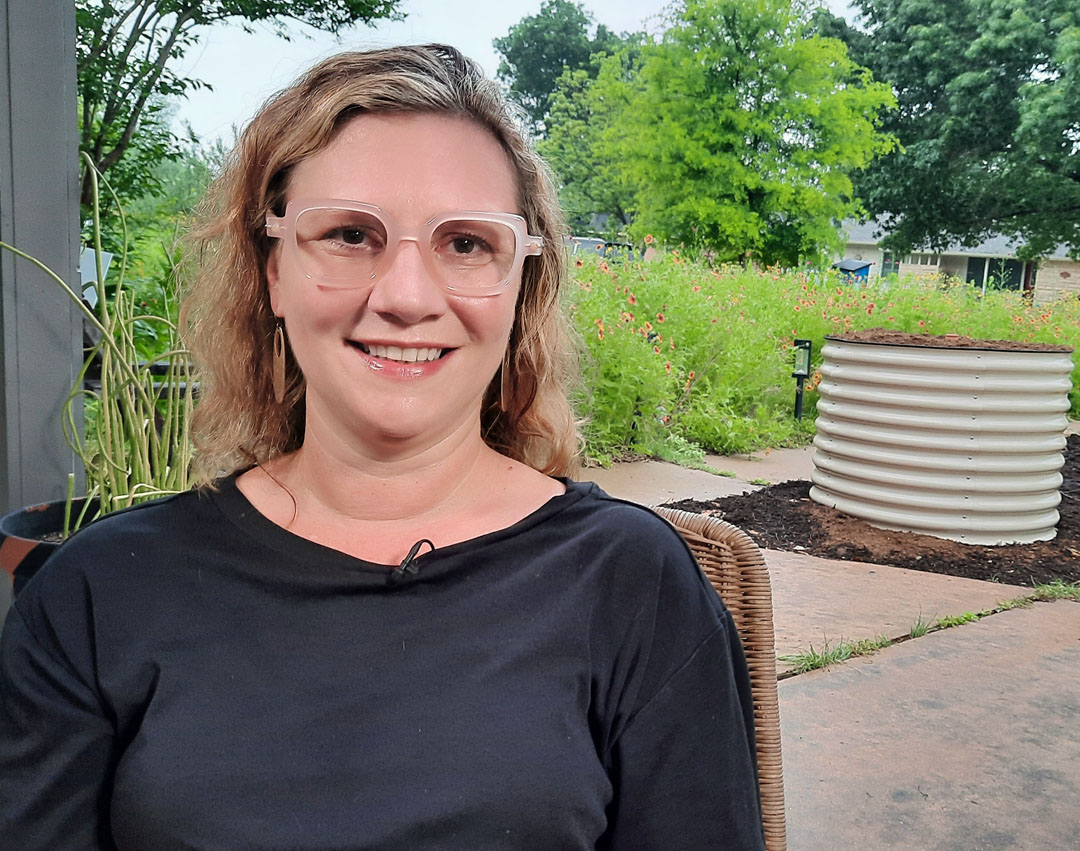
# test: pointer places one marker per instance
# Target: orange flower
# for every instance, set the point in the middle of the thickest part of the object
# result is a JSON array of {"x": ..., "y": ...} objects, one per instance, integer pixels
[
  {"x": 922, "y": 324},
  {"x": 604, "y": 267},
  {"x": 600, "y": 335},
  {"x": 686, "y": 387},
  {"x": 691, "y": 375},
  {"x": 630, "y": 298},
  {"x": 870, "y": 310},
  {"x": 579, "y": 263},
  {"x": 797, "y": 308},
  {"x": 648, "y": 239},
  {"x": 659, "y": 317},
  {"x": 697, "y": 289},
  {"x": 667, "y": 367},
  {"x": 656, "y": 349},
  {"x": 648, "y": 326}
]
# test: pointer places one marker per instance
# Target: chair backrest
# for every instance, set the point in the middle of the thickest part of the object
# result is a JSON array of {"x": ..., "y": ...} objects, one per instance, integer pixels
[{"x": 735, "y": 567}]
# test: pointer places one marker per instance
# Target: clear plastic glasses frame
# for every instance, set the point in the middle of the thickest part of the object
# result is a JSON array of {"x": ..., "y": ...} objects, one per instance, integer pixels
[{"x": 308, "y": 226}]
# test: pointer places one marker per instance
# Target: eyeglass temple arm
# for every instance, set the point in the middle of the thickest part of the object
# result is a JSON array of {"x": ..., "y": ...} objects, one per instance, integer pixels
[
  {"x": 275, "y": 225},
  {"x": 534, "y": 245}
]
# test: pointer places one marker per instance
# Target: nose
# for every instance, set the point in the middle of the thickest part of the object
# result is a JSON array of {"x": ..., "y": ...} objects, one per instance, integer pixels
[{"x": 404, "y": 289}]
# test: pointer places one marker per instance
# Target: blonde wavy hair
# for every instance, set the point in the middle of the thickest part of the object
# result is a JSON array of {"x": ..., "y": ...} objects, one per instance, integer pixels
[{"x": 226, "y": 313}]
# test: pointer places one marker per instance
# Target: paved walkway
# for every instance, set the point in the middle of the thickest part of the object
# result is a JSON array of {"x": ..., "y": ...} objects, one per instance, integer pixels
[{"x": 960, "y": 740}]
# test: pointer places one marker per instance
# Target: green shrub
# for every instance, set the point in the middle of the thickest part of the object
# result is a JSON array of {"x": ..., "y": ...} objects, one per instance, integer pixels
[{"x": 681, "y": 355}]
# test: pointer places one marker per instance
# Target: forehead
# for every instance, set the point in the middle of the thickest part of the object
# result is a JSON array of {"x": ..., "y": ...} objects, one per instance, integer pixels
[{"x": 411, "y": 165}]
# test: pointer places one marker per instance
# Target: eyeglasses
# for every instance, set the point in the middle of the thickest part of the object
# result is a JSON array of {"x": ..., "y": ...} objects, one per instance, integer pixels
[{"x": 349, "y": 244}]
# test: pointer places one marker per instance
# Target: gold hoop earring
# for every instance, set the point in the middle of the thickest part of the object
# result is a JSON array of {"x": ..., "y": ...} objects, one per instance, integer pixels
[{"x": 278, "y": 371}]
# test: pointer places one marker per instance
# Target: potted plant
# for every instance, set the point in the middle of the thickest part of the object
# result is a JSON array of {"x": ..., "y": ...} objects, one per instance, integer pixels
[{"x": 135, "y": 444}]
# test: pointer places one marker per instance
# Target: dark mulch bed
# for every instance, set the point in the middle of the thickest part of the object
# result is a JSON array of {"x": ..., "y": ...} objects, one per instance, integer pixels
[{"x": 783, "y": 517}]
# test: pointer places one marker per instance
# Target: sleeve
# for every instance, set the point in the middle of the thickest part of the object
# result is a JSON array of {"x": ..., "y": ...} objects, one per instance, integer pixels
[
  {"x": 56, "y": 745},
  {"x": 682, "y": 760},
  {"x": 684, "y": 767}
]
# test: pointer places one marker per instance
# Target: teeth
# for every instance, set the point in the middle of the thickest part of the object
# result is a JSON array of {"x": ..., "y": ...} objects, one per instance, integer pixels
[{"x": 404, "y": 355}]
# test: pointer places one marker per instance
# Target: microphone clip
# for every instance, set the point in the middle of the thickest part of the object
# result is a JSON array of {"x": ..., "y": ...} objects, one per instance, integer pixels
[{"x": 408, "y": 565}]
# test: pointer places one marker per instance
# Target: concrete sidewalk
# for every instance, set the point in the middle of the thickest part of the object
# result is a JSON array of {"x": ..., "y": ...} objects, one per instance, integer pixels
[{"x": 968, "y": 738}]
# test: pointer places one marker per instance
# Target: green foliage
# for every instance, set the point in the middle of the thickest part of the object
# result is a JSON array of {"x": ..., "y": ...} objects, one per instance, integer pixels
[
  {"x": 590, "y": 183},
  {"x": 539, "y": 48},
  {"x": 123, "y": 53},
  {"x": 136, "y": 443},
  {"x": 812, "y": 659},
  {"x": 988, "y": 119},
  {"x": 737, "y": 134},
  {"x": 154, "y": 223},
  {"x": 950, "y": 621},
  {"x": 679, "y": 349},
  {"x": 1057, "y": 591},
  {"x": 919, "y": 627}
]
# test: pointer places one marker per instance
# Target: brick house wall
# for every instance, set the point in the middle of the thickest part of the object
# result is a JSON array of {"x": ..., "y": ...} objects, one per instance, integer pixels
[{"x": 1057, "y": 278}]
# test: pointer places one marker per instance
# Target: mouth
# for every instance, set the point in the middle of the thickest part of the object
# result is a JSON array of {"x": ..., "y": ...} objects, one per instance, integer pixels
[{"x": 400, "y": 354}]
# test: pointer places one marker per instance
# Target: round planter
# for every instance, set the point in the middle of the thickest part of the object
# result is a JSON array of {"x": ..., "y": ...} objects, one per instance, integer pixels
[
  {"x": 22, "y": 551},
  {"x": 950, "y": 437}
]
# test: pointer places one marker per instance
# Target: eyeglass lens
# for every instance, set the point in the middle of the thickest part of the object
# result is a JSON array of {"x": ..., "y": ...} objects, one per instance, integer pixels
[{"x": 346, "y": 247}]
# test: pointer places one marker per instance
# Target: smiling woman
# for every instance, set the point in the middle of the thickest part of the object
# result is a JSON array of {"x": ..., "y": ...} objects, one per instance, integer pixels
[{"x": 386, "y": 619}]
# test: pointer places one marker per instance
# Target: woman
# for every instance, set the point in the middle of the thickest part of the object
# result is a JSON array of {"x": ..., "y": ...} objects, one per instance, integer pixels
[{"x": 390, "y": 623}]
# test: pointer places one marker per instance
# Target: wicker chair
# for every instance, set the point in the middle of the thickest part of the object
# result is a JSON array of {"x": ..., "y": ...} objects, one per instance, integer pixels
[{"x": 734, "y": 565}]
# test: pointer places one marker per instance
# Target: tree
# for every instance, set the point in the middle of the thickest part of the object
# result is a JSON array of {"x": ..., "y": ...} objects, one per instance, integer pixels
[
  {"x": 540, "y": 47},
  {"x": 988, "y": 120},
  {"x": 590, "y": 183},
  {"x": 125, "y": 81},
  {"x": 738, "y": 132}
]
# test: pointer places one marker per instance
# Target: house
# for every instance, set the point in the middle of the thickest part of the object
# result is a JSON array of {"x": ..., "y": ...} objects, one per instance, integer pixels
[{"x": 992, "y": 264}]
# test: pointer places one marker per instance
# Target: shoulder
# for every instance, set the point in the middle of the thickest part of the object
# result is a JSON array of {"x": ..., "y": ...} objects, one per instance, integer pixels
[
  {"x": 132, "y": 541},
  {"x": 626, "y": 523},
  {"x": 639, "y": 555}
]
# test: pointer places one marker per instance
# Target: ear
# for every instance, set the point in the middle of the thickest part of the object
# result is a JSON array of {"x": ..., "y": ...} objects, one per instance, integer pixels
[{"x": 273, "y": 277}]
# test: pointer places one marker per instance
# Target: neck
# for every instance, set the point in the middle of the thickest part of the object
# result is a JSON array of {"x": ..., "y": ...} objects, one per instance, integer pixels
[{"x": 349, "y": 482}]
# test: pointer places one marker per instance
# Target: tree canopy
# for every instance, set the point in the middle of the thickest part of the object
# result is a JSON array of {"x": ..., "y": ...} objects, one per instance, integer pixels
[
  {"x": 988, "y": 119},
  {"x": 125, "y": 81},
  {"x": 539, "y": 47},
  {"x": 737, "y": 132}
]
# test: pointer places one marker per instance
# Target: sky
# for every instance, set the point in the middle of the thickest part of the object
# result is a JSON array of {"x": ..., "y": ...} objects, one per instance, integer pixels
[{"x": 245, "y": 69}]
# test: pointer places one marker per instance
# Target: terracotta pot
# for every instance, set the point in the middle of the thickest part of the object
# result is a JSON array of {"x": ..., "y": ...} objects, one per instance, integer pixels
[{"x": 22, "y": 552}]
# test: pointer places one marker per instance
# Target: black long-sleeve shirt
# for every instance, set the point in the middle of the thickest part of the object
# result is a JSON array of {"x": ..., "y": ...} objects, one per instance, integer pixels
[{"x": 186, "y": 674}]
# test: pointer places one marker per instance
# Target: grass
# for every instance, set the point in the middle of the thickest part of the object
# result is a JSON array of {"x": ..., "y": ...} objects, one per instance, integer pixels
[
  {"x": 919, "y": 627},
  {"x": 813, "y": 659},
  {"x": 762, "y": 482},
  {"x": 955, "y": 620}
]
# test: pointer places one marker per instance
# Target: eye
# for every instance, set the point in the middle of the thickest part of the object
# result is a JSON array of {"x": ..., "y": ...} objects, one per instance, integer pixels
[
  {"x": 351, "y": 236},
  {"x": 467, "y": 245}
]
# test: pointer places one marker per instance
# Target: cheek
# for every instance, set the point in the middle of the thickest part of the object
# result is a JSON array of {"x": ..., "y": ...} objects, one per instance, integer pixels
[{"x": 489, "y": 321}]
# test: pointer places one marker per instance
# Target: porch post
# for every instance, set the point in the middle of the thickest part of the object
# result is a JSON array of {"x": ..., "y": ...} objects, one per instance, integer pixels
[{"x": 40, "y": 331}]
